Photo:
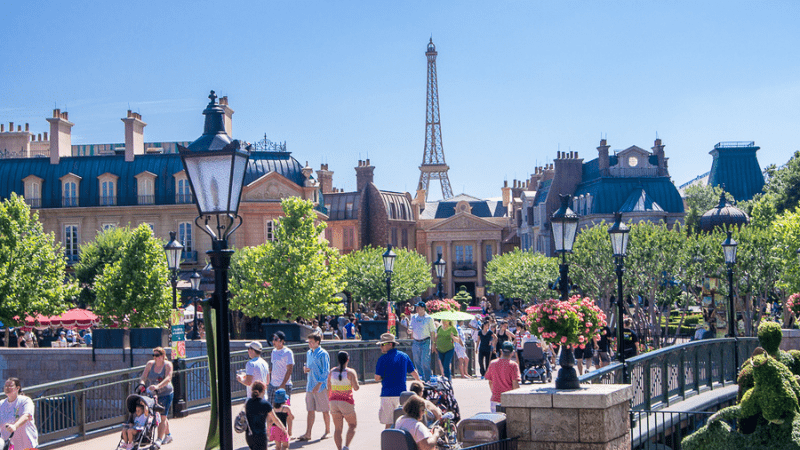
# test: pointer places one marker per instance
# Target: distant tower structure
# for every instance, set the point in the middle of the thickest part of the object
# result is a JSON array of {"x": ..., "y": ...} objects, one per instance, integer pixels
[{"x": 433, "y": 166}]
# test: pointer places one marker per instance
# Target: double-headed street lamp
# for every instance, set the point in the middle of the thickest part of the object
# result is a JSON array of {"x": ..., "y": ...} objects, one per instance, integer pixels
[
  {"x": 215, "y": 166},
  {"x": 619, "y": 245},
  {"x": 565, "y": 227},
  {"x": 440, "y": 266},
  {"x": 173, "y": 249},
  {"x": 195, "y": 280}
]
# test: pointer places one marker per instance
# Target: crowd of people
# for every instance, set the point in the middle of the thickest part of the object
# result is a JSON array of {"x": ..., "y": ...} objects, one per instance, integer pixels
[{"x": 65, "y": 337}]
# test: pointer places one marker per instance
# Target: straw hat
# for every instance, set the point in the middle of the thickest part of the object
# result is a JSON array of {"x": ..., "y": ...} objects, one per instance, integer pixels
[{"x": 387, "y": 338}]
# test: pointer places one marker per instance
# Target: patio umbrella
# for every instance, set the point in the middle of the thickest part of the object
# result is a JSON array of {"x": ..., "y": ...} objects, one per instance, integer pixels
[
  {"x": 76, "y": 318},
  {"x": 452, "y": 315}
]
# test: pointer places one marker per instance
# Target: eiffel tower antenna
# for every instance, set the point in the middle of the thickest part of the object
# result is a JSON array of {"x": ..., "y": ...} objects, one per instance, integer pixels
[{"x": 433, "y": 166}]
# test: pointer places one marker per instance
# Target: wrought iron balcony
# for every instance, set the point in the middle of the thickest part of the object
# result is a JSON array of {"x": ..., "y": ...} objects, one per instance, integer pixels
[
  {"x": 146, "y": 199},
  {"x": 108, "y": 201},
  {"x": 68, "y": 202},
  {"x": 34, "y": 202},
  {"x": 184, "y": 198}
]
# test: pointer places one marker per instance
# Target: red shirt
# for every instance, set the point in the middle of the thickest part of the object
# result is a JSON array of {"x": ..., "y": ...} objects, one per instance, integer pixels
[{"x": 502, "y": 372}]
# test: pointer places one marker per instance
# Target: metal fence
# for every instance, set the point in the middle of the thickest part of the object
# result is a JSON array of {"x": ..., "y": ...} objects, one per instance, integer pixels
[
  {"x": 671, "y": 374},
  {"x": 503, "y": 444},
  {"x": 656, "y": 430},
  {"x": 79, "y": 407}
]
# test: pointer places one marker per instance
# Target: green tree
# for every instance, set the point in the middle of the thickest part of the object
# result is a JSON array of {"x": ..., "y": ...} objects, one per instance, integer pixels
[
  {"x": 32, "y": 266},
  {"x": 296, "y": 275},
  {"x": 104, "y": 251},
  {"x": 700, "y": 199},
  {"x": 592, "y": 265},
  {"x": 136, "y": 287},
  {"x": 783, "y": 184},
  {"x": 365, "y": 278},
  {"x": 786, "y": 229},
  {"x": 522, "y": 275}
]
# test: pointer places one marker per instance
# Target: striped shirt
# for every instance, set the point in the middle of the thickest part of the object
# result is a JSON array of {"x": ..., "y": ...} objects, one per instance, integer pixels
[{"x": 340, "y": 390}]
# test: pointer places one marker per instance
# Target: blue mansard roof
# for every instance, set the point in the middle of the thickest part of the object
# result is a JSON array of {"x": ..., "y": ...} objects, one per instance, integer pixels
[
  {"x": 611, "y": 194},
  {"x": 89, "y": 168}
]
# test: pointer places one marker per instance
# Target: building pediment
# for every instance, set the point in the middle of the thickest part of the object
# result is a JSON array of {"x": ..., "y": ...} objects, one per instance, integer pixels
[
  {"x": 465, "y": 221},
  {"x": 271, "y": 186}
]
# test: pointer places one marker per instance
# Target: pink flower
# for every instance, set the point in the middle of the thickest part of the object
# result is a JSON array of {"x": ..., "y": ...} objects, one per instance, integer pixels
[
  {"x": 582, "y": 346},
  {"x": 581, "y": 339},
  {"x": 541, "y": 329},
  {"x": 563, "y": 339}
]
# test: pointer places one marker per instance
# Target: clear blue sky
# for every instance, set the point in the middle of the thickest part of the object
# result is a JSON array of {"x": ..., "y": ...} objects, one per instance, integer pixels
[{"x": 340, "y": 81}]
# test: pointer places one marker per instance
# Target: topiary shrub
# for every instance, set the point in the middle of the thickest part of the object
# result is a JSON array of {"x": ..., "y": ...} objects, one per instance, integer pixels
[
  {"x": 463, "y": 297},
  {"x": 769, "y": 336}
]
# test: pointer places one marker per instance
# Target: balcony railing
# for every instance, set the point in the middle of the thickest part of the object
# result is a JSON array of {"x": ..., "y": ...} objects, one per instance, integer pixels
[
  {"x": 184, "y": 198},
  {"x": 108, "y": 201},
  {"x": 68, "y": 202},
  {"x": 34, "y": 202},
  {"x": 146, "y": 199},
  {"x": 189, "y": 256}
]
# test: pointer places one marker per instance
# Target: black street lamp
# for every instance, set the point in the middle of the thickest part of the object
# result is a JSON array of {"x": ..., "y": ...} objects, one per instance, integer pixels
[
  {"x": 440, "y": 266},
  {"x": 388, "y": 267},
  {"x": 195, "y": 280},
  {"x": 619, "y": 244},
  {"x": 173, "y": 249},
  {"x": 215, "y": 166},
  {"x": 729, "y": 251},
  {"x": 565, "y": 227}
]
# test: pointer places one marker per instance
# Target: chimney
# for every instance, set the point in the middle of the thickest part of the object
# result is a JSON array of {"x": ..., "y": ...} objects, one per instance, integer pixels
[
  {"x": 658, "y": 151},
  {"x": 134, "y": 135},
  {"x": 325, "y": 177},
  {"x": 61, "y": 131},
  {"x": 228, "y": 118},
  {"x": 45, "y": 135},
  {"x": 602, "y": 159},
  {"x": 364, "y": 174},
  {"x": 506, "y": 194}
]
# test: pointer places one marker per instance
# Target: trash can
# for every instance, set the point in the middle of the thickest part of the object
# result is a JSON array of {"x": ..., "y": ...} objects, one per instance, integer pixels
[{"x": 481, "y": 429}]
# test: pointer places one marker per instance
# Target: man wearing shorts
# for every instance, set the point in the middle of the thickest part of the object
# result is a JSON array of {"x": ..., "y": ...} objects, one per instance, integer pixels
[
  {"x": 318, "y": 364},
  {"x": 282, "y": 365},
  {"x": 390, "y": 371}
]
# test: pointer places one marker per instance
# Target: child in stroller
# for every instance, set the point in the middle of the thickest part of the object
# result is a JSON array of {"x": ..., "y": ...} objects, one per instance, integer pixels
[
  {"x": 140, "y": 430},
  {"x": 440, "y": 392}
]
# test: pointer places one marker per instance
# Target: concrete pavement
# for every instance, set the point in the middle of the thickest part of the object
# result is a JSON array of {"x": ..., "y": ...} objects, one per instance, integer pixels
[{"x": 190, "y": 432}]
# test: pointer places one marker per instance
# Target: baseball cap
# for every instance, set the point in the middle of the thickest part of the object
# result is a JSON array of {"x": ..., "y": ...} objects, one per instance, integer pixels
[
  {"x": 507, "y": 347},
  {"x": 280, "y": 396},
  {"x": 255, "y": 345}
]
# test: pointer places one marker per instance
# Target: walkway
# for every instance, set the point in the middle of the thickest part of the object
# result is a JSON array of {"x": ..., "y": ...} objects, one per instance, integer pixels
[{"x": 190, "y": 432}]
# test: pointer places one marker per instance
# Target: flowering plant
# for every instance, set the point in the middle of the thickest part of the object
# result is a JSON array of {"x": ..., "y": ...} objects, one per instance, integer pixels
[
  {"x": 571, "y": 322},
  {"x": 793, "y": 304},
  {"x": 447, "y": 304}
]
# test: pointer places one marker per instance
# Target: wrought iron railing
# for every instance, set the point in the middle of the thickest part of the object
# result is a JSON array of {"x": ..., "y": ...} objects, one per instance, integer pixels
[
  {"x": 671, "y": 374},
  {"x": 79, "y": 407},
  {"x": 666, "y": 429},
  {"x": 503, "y": 444}
]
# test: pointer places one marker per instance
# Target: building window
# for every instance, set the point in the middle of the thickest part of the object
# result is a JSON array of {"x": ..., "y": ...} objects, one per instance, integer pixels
[
  {"x": 459, "y": 253},
  {"x": 71, "y": 243},
  {"x": 70, "y": 194},
  {"x": 439, "y": 251},
  {"x": 349, "y": 237},
  {"x": 404, "y": 235},
  {"x": 107, "y": 197},
  {"x": 108, "y": 226},
  {"x": 489, "y": 251},
  {"x": 392, "y": 211},
  {"x": 146, "y": 191},
  {"x": 348, "y": 209},
  {"x": 394, "y": 237},
  {"x": 33, "y": 191},
  {"x": 270, "y": 230},
  {"x": 185, "y": 235},
  {"x": 468, "y": 253},
  {"x": 184, "y": 192}
]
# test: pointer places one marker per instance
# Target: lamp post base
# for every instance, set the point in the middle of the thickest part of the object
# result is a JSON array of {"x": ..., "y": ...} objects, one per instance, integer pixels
[{"x": 567, "y": 375}]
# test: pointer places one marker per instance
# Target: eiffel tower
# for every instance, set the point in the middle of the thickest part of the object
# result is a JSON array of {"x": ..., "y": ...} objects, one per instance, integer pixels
[{"x": 433, "y": 166}]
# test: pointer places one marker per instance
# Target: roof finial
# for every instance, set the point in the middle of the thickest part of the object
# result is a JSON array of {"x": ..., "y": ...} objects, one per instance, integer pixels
[{"x": 213, "y": 98}]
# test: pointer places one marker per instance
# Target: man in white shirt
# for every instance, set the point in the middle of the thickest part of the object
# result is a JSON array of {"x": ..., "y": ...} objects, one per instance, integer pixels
[
  {"x": 282, "y": 365},
  {"x": 423, "y": 331},
  {"x": 256, "y": 369}
]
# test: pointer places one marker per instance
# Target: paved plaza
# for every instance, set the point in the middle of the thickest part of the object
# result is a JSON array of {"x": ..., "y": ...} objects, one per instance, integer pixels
[{"x": 190, "y": 432}]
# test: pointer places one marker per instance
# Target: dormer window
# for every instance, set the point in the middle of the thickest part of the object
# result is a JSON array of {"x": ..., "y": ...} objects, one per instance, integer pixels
[
  {"x": 108, "y": 189},
  {"x": 145, "y": 188},
  {"x": 33, "y": 191},
  {"x": 183, "y": 192},
  {"x": 70, "y": 187}
]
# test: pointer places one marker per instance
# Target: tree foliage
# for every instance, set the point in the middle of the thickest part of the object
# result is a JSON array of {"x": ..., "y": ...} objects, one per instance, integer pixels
[
  {"x": 104, "y": 251},
  {"x": 783, "y": 184},
  {"x": 32, "y": 266},
  {"x": 365, "y": 278},
  {"x": 522, "y": 275},
  {"x": 592, "y": 264},
  {"x": 296, "y": 275},
  {"x": 786, "y": 229},
  {"x": 135, "y": 288}
]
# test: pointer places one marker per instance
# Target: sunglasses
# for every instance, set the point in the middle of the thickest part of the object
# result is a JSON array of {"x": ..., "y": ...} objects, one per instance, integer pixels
[
  {"x": 385, "y": 343},
  {"x": 156, "y": 355}
]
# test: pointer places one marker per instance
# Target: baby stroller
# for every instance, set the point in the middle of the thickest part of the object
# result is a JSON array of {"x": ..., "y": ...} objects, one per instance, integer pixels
[
  {"x": 144, "y": 439},
  {"x": 534, "y": 364},
  {"x": 440, "y": 392}
]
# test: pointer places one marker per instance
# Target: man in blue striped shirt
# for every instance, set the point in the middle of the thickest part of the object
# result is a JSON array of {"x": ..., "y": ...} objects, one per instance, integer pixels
[{"x": 318, "y": 364}]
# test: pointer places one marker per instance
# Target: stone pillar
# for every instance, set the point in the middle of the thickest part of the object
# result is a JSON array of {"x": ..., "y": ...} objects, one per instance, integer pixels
[
  {"x": 479, "y": 266},
  {"x": 595, "y": 417}
]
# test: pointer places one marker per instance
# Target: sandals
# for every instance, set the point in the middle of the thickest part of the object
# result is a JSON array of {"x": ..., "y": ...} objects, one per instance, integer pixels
[{"x": 303, "y": 438}]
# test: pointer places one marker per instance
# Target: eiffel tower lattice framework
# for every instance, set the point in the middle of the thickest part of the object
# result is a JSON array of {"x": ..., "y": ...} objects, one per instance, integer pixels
[{"x": 433, "y": 165}]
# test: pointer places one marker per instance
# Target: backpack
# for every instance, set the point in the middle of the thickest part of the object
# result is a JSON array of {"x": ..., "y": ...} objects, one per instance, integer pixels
[{"x": 241, "y": 424}]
